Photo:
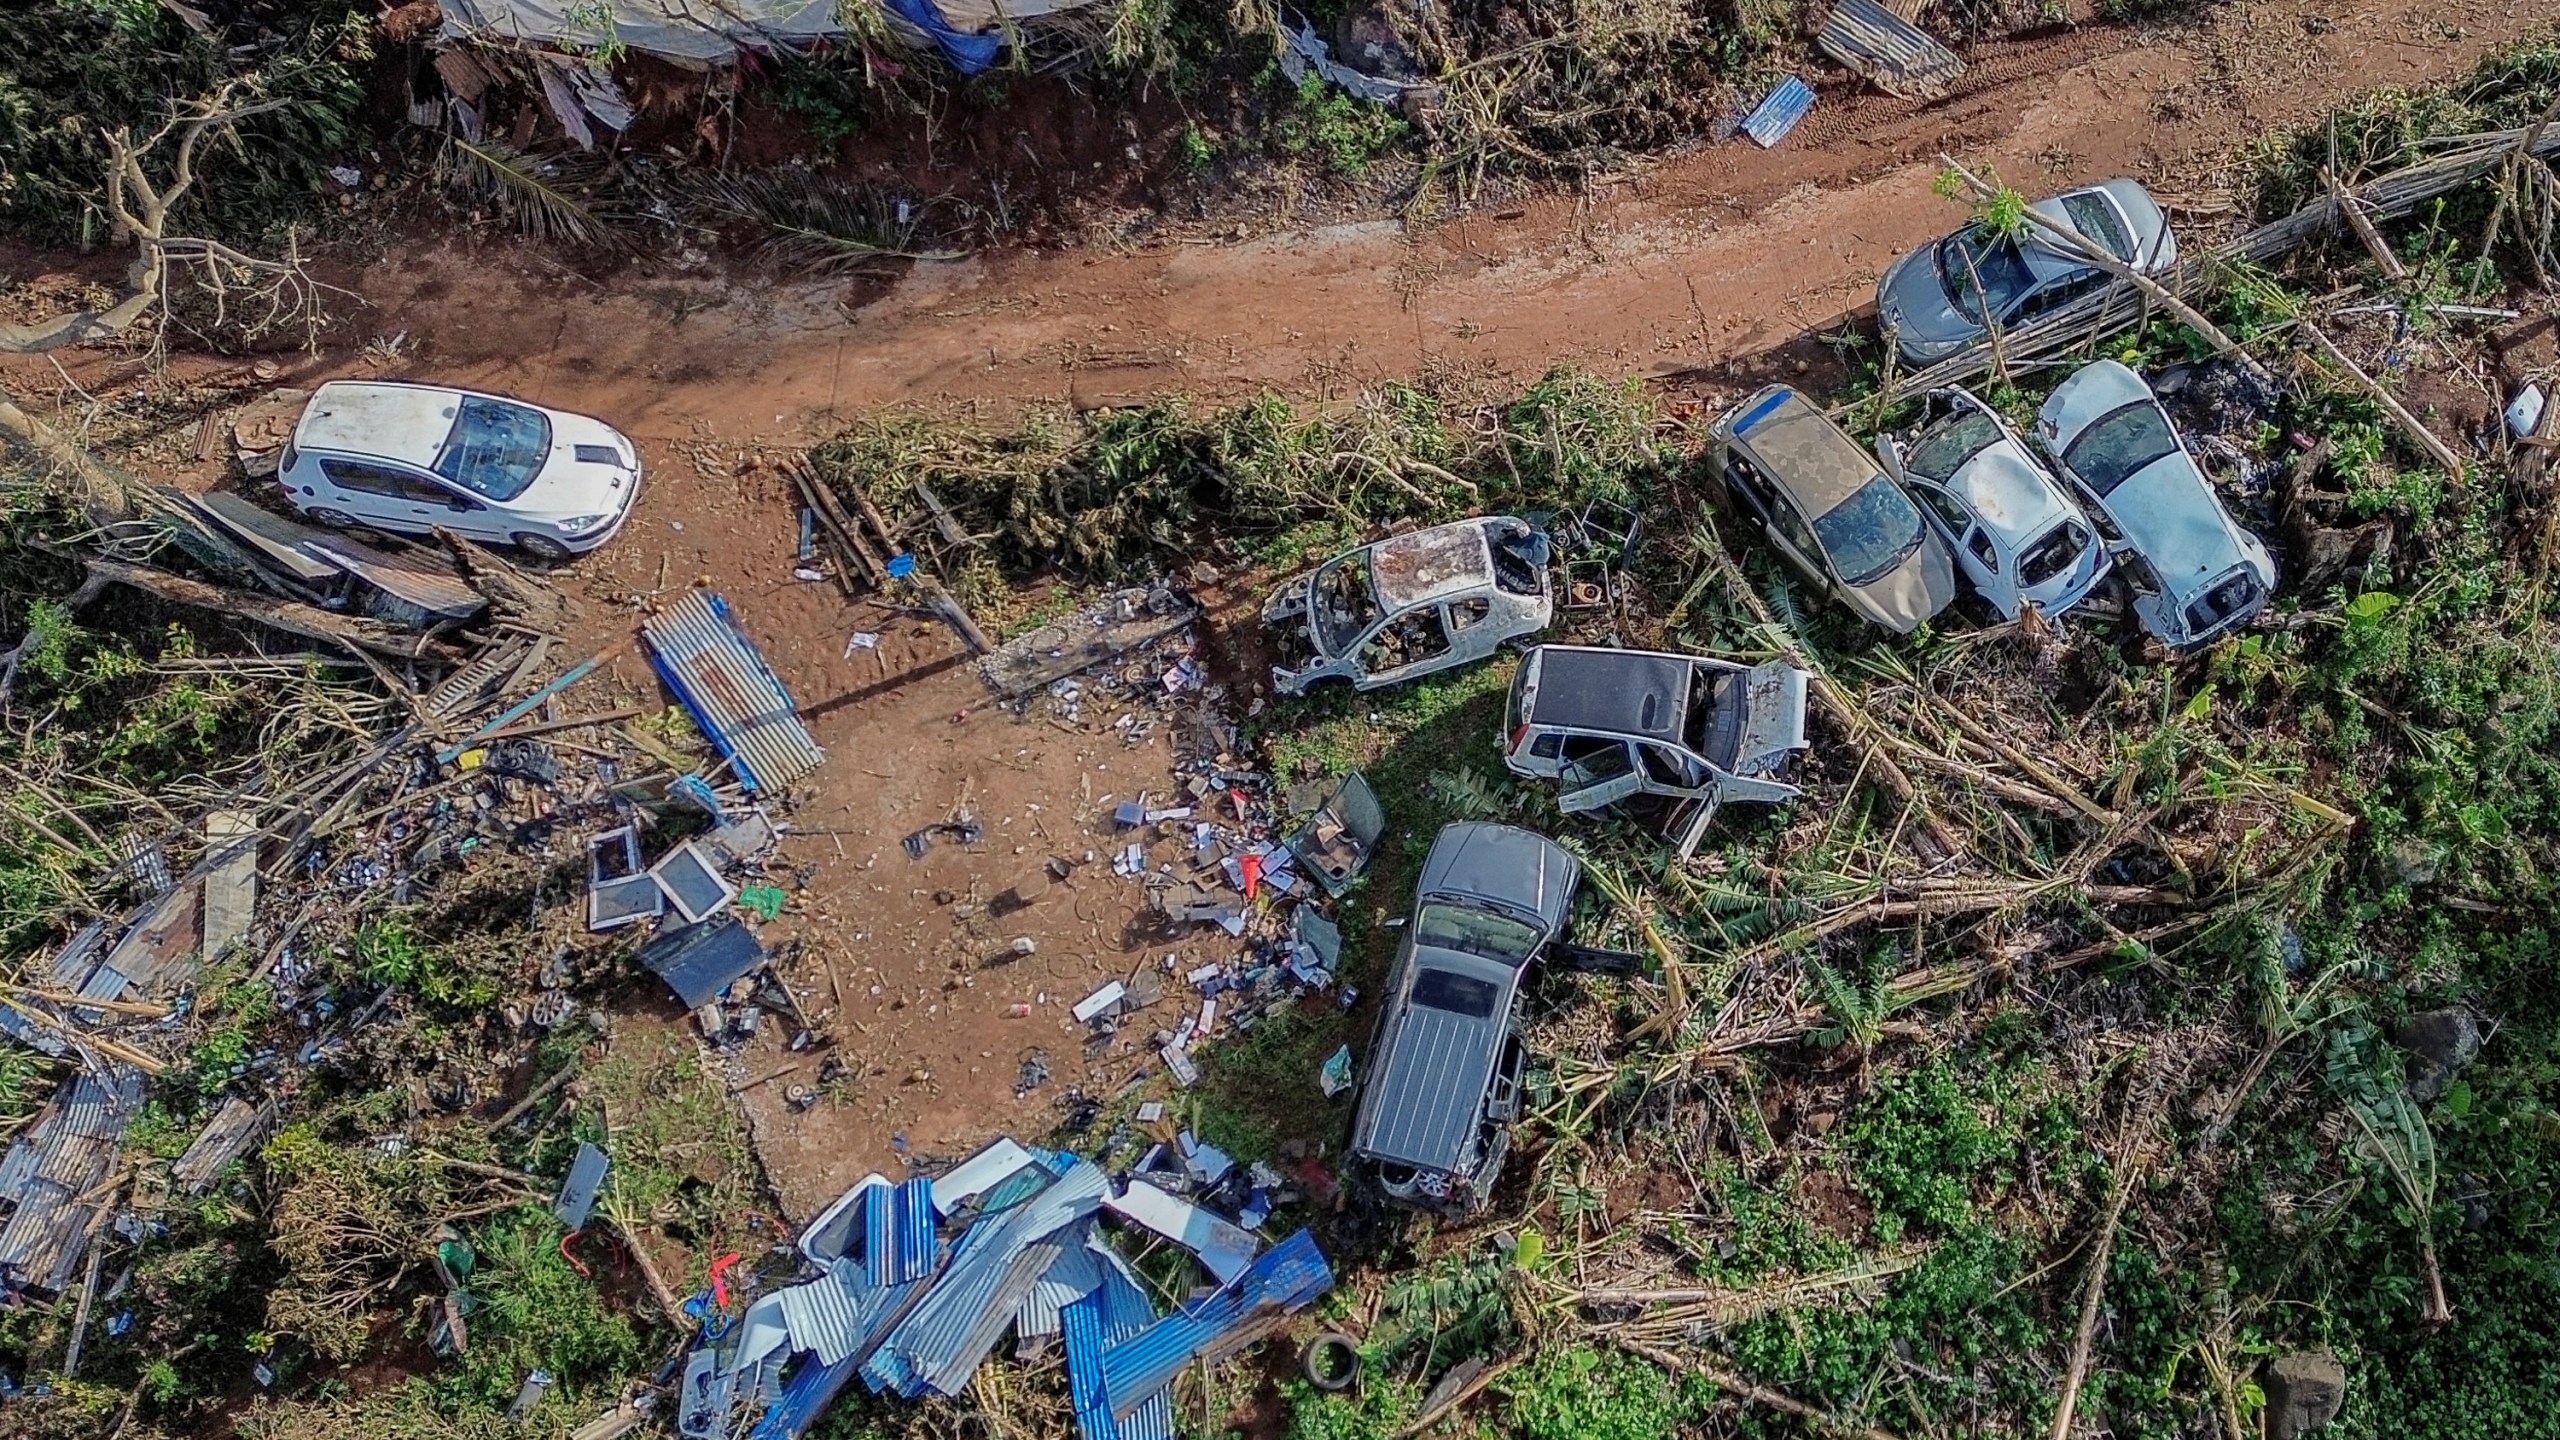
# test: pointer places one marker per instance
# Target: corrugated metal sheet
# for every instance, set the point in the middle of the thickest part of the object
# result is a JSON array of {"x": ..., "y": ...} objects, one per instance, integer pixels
[
  {"x": 421, "y": 577},
  {"x": 824, "y": 1314},
  {"x": 1086, "y": 1341},
  {"x": 720, "y": 676},
  {"x": 927, "y": 1349},
  {"x": 1075, "y": 1273},
  {"x": 17, "y": 1168},
  {"x": 1113, "y": 1313},
  {"x": 1780, "y": 112},
  {"x": 980, "y": 1173},
  {"x": 1285, "y": 1278},
  {"x": 898, "y": 1241},
  {"x": 235, "y": 1127},
  {"x": 806, "y": 1394},
  {"x": 831, "y": 1233},
  {"x": 1425, "y": 1101},
  {"x": 1897, "y": 55}
]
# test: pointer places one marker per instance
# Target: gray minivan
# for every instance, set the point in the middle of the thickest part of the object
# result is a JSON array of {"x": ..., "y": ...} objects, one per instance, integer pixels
[{"x": 1445, "y": 1061}]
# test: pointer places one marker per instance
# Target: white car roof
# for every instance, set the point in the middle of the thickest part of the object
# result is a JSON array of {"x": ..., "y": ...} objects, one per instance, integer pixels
[
  {"x": 2172, "y": 516},
  {"x": 407, "y": 423},
  {"x": 2095, "y": 390},
  {"x": 2009, "y": 493}
]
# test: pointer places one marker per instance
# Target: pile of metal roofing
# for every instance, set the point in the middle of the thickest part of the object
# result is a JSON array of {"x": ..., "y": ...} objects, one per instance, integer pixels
[
  {"x": 734, "y": 696},
  {"x": 918, "y": 1282}
]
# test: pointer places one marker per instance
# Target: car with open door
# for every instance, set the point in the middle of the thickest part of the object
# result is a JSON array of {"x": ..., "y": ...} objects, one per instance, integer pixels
[
  {"x": 1609, "y": 726},
  {"x": 1412, "y": 604},
  {"x": 1445, "y": 1064},
  {"x": 418, "y": 458},
  {"x": 1827, "y": 507},
  {"x": 1943, "y": 298},
  {"x": 2018, "y": 533},
  {"x": 2195, "y": 574}
]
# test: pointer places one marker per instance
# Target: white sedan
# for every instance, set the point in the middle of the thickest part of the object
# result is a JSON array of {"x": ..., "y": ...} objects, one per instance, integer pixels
[
  {"x": 413, "y": 458},
  {"x": 2015, "y": 531},
  {"x": 2196, "y": 575}
]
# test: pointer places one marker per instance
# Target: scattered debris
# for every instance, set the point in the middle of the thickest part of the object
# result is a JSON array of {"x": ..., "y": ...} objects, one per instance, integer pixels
[
  {"x": 578, "y": 1192},
  {"x": 1118, "y": 623},
  {"x": 1779, "y": 112},
  {"x": 735, "y": 699}
]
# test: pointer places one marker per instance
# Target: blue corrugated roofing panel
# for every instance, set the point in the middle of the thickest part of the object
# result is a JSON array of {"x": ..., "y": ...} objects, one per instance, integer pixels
[
  {"x": 1281, "y": 1279},
  {"x": 937, "y": 1344},
  {"x": 1075, "y": 1273},
  {"x": 1083, "y": 1324},
  {"x": 806, "y": 1394},
  {"x": 898, "y": 1241},
  {"x": 1779, "y": 113},
  {"x": 732, "y": 694}
]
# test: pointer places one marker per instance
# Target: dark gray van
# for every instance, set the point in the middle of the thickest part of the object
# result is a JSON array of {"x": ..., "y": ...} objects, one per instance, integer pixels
[{"x": 1444, "y": 1064}]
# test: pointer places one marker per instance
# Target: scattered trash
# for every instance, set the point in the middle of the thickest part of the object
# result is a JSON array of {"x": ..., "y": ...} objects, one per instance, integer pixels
[
  {"x": 1336, "y": 1076},
  {"x": 1102, "y": 1002},
  {"x": 619, "y": 891},
  {"x": 537, "y": 1383},
  {"x": 692, "y": 883},
  {"x": 2524, "y": 412},
  {"x": 861, "y": 640},
  {"x": 700, "y": 962},
  {"x": 765, "y": 902},
  {"x": 1341, "y": 834},
  {"x": 578, "y": 1192}
]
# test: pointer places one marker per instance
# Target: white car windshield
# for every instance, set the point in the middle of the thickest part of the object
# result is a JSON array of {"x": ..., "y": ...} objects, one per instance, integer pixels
[
  {"x": 1869, "y": 533},
  {"x": 2004, "y": 272},
  {"x": 2121, "y": 444},
  {"x": 1941, "y": 452},
  {"x": 496, "y": 447}
]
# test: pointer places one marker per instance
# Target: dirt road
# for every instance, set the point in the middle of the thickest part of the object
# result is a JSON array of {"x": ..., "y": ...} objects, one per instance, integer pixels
[{"x": 1720, "y": 253}]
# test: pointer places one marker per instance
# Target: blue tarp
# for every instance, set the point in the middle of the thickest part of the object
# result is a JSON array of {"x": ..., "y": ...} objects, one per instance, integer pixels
[{"x": 968, "y": 53}]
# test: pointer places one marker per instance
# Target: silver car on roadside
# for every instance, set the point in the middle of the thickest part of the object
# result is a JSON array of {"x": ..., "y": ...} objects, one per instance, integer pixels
[
  {"x": 2195, "y": 574},
  {"x": 1942, "y": 298},
  {"x": 2015, "y": 531},
  {"x": 1411, "y": 604}
]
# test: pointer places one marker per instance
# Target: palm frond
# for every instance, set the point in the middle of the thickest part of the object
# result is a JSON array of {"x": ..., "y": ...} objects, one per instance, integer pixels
[
  {"x": 808, "y": 221},
  {"x": 515, "y": 183}
]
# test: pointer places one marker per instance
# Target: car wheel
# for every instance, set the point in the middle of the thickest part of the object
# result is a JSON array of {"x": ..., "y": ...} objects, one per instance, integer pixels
[
  {"x": 334, "y": 519},
  {"x": 542, "y": 547}
]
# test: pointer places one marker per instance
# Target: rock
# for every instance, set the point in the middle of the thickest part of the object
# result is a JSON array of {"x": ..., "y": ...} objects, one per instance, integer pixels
[
  {"x": 2439, "y": 1042},
  {"x": 2304, "y": 1391}
]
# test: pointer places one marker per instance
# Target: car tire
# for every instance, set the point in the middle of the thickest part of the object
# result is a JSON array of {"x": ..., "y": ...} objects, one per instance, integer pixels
[
  {"x": 334, "y": 519},
  {"x": 1331, "y": 1362},
  {"x": 543, "y": 548}
]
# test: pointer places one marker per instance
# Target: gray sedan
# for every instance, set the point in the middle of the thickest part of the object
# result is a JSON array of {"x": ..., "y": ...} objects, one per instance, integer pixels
[
  {"x": 1933, "y": 302},
  {"x": 2196, "y": 575}
]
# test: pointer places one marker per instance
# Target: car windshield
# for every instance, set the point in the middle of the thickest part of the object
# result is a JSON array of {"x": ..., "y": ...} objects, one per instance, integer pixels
[
  {"x": 1477, "y": 932},
  {"x": 496, "y": 447},
  {"x": 2094, "y": 218},
  {"x": 2056, "y": 551},
  {"x": 1940, "y": 453},
  {"x": 1458, "y": 994},
  {"x": 2120, "y": 445},
  {"x": 1342, "y": 604},
  {"x": 1867, "y": 534},
  {"x": 2004, "y": 272}
]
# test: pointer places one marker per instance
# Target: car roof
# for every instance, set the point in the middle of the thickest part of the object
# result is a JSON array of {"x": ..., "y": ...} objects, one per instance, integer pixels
[
  {"x": 407, "y": 423},
  {"x": 1814, "y": 460},
  {"x": 2168, "y": 511},
  {"x": 1428, "y": 566},
  {"x": 1642, "y": 693},
  {"x": 2094, "y": 390},
  {"x": 2009, "y": 492},
  {"x": 1426, "y": 1092}
]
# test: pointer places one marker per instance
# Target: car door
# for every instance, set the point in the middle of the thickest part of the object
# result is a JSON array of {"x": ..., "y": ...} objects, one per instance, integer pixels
[
  {"x": 1794, "y": 538},
  {"x": 435, "y": 502},
  {"x": 1599, "y": 771},
  {"x": 374, "y": 494}
]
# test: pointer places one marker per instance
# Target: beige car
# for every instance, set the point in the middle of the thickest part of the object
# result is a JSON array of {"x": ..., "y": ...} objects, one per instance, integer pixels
[{"x": 1851, "y": 528}]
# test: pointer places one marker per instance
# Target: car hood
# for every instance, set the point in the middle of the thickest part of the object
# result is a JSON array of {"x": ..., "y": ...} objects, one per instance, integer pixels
[
  {"x": 1914, "y": 306},
  {"x": 1512, "y": 868},
  {"x": 1425, "y": 1100},
  {"x": 571, "y": 485},
  {"x": 1910, "y": 593},
  {"x": 2170, "y": 516}
]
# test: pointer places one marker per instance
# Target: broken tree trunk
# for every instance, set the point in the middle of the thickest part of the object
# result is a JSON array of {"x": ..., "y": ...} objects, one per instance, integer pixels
[
  {"x": 358, "y": 637},
  {"x": 104, "y": 495},
  {"x": 2092, "y": 1291},
  {"x": 2104, "y": 259},
  {"x": 2390, "y": 403},
  {"x": 2352, "y": 210}
]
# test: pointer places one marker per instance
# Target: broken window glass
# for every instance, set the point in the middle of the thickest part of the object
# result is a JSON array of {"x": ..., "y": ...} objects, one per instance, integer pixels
[
  {"x": 2121, "y": 444},
  {"x": 1867, "y": 534},
  {"x": 1477, "y": 932},
  {"x": 496, "y": 447}
]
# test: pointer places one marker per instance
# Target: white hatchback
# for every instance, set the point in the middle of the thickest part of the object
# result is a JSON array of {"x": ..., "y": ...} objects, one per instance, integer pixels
[{"x": 414, "y": 458}]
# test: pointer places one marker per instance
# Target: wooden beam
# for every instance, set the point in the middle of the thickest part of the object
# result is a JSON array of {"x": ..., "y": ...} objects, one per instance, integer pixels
[
  {"x": 2352, "y": 209},
  {"x": 2390, "y": 403}
]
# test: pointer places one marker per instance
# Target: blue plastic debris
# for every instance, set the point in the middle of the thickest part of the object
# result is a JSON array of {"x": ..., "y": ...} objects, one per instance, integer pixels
[
  {"x": 1779, "y": 112},
  {"x": 1283, "y": 1279}
]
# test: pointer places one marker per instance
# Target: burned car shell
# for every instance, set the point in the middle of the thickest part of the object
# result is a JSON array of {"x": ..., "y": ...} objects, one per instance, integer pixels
[
  {"x": 1826, "y": 506},
  {"x": 1444, "y": 1065},
  {"x": 2195, "y": 574},
  {"x": 2017, "y": 532},
  {"x": 1413, "y": 604},
  {"x": 1613, "y": 724}
]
